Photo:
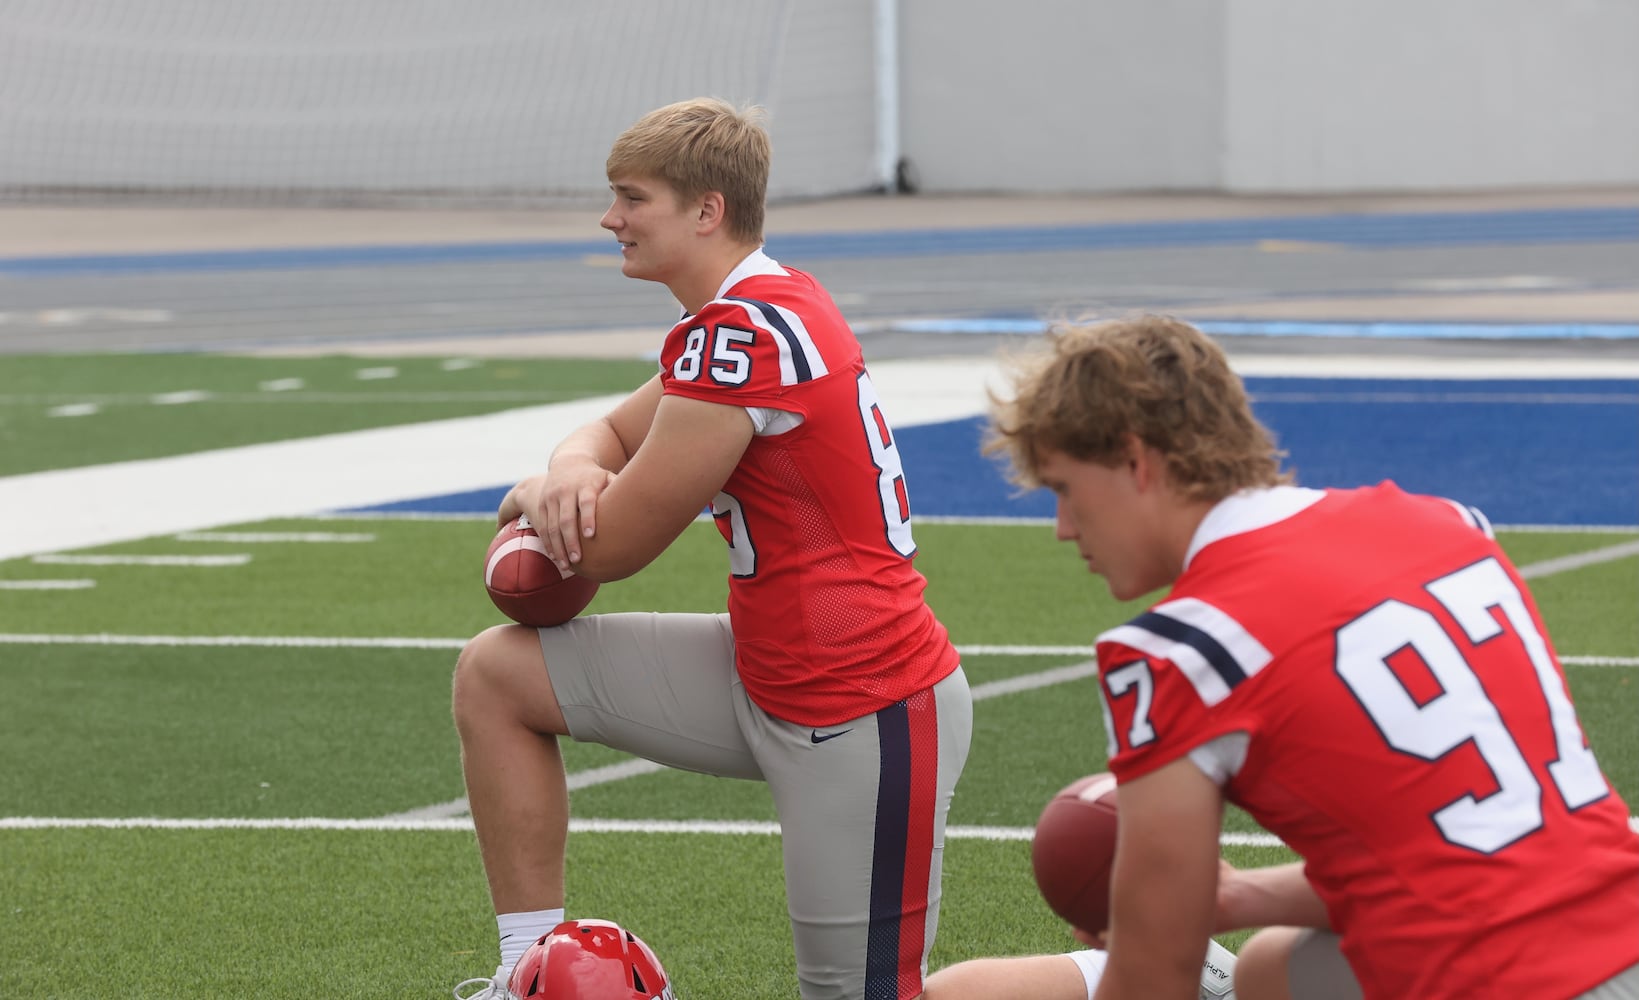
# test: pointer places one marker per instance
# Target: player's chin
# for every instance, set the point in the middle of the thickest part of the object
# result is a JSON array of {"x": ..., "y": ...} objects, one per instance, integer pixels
[{"x": 1122, "y": 590}]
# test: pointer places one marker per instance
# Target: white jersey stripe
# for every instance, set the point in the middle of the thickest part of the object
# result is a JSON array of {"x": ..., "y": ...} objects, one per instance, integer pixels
[
  {"x": 1247, "y": 651},
  {"x": 1211, "y": 649},
  {"x": 1207, "y": 682},
  {"x": 800, "y": 358}
]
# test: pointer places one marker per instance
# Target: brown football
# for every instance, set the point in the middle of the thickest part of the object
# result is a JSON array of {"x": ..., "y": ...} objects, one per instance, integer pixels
[
  {"x": 524, "y": 584},
  {"x": 1073, "y": 851}
]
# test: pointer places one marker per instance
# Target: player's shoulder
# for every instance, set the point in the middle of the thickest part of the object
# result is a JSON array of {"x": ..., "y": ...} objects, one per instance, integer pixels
[
  {"x": 1388, "y": 502},
  {"x": 768, "y": 294},
  {"x": 1208, "y": 646},
  {"x": 1297, "y": 519}
]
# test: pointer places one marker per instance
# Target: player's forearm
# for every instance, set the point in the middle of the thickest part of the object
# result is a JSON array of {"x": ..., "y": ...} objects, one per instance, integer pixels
[
  {"x": 1276, "y": 896},
  {"x": 630, "y": 535},
  {"x": 595, "y": 442}
]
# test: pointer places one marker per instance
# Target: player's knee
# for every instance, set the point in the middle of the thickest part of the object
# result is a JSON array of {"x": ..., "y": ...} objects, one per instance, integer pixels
[
  {"x": 1262, "y": 965},
  {"x": 479, "y": 686}
]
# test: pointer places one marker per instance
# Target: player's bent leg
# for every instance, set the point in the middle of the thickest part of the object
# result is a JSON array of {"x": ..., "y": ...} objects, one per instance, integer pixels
[
  {"x": 1290, "y": 963},
  {"x": 1031, "y": 977},
  {"x": 1261, "y": 964},
  {"x": 862, "y": 808},
  {"x": 507, "y": 718}
]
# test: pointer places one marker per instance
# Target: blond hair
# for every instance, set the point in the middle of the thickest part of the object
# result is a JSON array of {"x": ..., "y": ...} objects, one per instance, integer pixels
[
  {"x": 702, "y": 145},
  {"x": 1095, "y": 387}
]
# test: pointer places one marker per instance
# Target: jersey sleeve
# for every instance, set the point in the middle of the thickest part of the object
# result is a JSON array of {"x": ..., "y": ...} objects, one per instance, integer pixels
[
  {"x": 1165, "y": 678},
  {"x": 742, "y": 352}
]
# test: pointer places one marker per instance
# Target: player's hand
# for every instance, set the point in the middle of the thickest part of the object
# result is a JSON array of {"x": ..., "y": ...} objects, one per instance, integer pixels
[
  {"x": 517, "y": 501},
  {"x": 565, "y": 510}
]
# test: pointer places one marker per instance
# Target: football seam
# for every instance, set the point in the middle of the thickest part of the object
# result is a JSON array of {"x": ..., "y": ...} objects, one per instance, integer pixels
[{"x": 531, "y": 543}]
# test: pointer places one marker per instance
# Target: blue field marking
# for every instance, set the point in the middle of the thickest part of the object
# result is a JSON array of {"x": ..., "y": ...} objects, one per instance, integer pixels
[
  {"x": 1549, "y": 452},
  {"x": 1572, "y": 225},
  {"x": 1369, "y": 330},
  {"x": 1537, "y": 452}
]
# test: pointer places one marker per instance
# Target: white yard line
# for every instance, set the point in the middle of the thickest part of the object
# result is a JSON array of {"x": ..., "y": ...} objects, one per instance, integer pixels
[
  {"x": 464, "y": 825},
  {"x": 735, "y": 828},
  {"x": 1563, "y": 564},
  {"x": 275, "y": 537},
  {"x": 412, "y": 642},
  {"x": 61, "y": 559}
]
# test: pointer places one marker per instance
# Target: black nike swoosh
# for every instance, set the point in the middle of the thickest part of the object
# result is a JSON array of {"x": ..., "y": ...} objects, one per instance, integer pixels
[{"x": 819, "y": 737}]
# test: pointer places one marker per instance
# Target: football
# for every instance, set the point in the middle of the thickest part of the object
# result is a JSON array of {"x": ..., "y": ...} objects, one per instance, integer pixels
[
  {"x": 524, "y": 584},
  {"x": 1073, "y": 851}
]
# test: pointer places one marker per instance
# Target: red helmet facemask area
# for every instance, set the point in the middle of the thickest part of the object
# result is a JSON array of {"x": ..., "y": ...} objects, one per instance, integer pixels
[{"x": 589, "y": 960}]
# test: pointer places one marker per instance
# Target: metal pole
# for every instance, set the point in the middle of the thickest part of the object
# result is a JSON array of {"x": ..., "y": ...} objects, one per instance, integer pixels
[{"x": 887, "y": 94}]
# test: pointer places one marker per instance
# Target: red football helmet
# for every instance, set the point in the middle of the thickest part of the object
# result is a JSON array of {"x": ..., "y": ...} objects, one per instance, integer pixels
[{"x": 589, "y": 960}]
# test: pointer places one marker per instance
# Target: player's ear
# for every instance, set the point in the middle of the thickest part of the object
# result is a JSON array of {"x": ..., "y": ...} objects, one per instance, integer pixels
[
  {"x": 1144, "y": 463},
  {"x": 711, "y": 211}
]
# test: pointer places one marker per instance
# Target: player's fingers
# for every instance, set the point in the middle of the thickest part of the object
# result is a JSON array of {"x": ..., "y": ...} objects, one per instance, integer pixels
[
  {"x": 567, "y": 528},
  {"x": 588, "y": 512},
  {"x": 509, "y": 509},
  {"x": 547, "y": 527}
]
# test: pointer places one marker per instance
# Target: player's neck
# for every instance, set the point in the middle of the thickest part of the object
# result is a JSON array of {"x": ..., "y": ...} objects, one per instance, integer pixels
[
  {"x": 702, "y": 280},
  {"x": 1183, "y": 521}
]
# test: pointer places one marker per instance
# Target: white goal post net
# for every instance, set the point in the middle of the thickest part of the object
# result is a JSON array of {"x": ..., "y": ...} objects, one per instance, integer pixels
[{"x": 419, "y": 101}]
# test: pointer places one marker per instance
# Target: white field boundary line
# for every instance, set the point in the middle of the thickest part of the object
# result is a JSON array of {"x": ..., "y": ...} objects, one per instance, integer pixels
[{"x": 458, "y": 825}]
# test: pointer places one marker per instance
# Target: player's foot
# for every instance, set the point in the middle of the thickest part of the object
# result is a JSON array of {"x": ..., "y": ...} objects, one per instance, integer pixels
[
  {"x": 493, "y": 988},
  {"x": 1217, "y": 975}
]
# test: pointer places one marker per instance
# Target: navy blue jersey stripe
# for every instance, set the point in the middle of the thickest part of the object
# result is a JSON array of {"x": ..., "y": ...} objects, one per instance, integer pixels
[
  {"x": 1220, "y": 659},
  {"x": 893, "y": 806},
  {"x": 799, "y": 357}
]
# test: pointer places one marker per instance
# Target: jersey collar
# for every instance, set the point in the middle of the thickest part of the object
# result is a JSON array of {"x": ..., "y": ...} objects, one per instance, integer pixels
[
  {"x": 756, "y": 262},
  {"x": 1250, "y": 510}
]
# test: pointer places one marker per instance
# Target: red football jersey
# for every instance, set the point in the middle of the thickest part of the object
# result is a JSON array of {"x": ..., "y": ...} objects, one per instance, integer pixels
[
  {"x": 828, "y": 614},
  {"x": 1409, "y": 734}
]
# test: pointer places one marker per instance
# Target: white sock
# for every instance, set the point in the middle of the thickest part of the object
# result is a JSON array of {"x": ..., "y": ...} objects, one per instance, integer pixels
[
  {"x": 1091, "y": 962},
  {"x": 1218, "y": 974},
  {"x": 520, "y": 930}
]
